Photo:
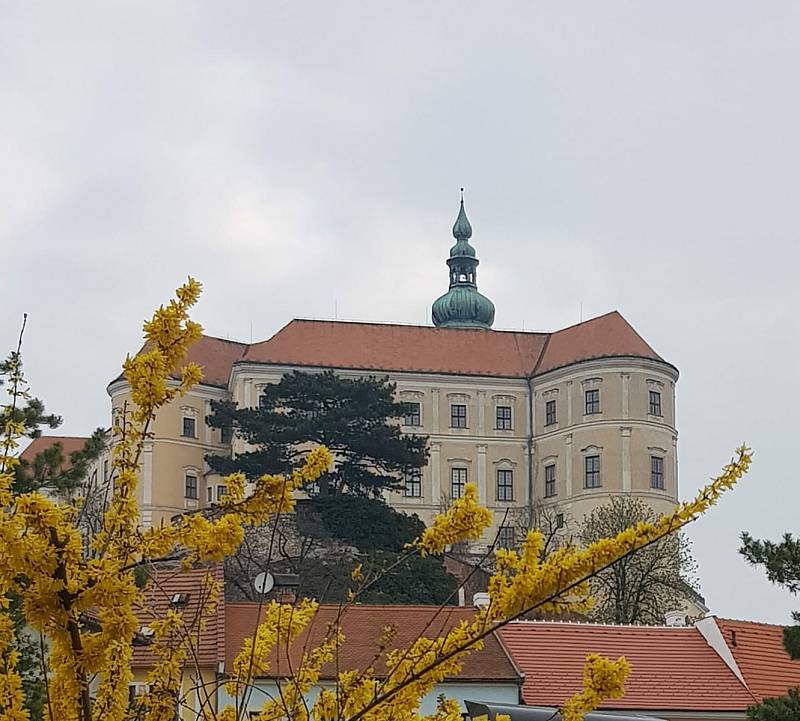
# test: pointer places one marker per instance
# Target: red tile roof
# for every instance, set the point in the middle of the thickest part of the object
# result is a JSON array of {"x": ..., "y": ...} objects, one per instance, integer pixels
[
  {"x": 215, "y": 357},
  {"x": 209, "y": 643},
  {"x": 758, "y": 651},
  {"x": 362, "y": 626},
  {"x": 606, "y": 336},
  {"x": 69, "y": 444},
  {"x": 672, "y": 669},
  {"x": 383, "y": 347}
]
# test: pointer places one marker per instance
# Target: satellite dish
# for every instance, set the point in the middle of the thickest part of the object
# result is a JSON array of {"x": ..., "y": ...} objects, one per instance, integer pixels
[{"x": 263, "y": 583}]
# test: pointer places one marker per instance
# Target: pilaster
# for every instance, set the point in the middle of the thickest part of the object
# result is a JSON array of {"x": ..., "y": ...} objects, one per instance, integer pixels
[
  {"x": 434, "y": 410},
  {"x": 626, "y": 396},
  {"x": 625, "y": 431},
  {"x": 482, "y": 473},
  {"x": 436, "y": 469},
  {"x": 569, "y": 403},
  {"x": 568, "y": 464}
]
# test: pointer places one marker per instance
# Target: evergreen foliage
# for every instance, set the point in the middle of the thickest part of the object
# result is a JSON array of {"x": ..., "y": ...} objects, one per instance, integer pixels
[
  {"x": 781, "y": 561},
  {"x": 357, "y": 419},
  {"x": 784, "y": 708}
]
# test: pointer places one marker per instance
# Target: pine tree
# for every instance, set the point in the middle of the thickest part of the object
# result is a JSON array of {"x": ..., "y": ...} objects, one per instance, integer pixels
[{"x": 357, "y": 419}]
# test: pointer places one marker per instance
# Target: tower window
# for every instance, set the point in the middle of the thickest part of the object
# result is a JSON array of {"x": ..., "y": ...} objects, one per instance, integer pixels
[
  {"x": 550, "y": 480},
  {"x": 189, "y": 428},
  {"x": 655, "y": 403},
  {"x": 412, "y": 486},
  {"x": 503, "y": 418},
  {"x": 591, "y": 472},
  {"x": 592, "y": 402},
  {"x": 505, "y": 484},
  {"x": 458, "y": 480},
  {"x": 550, "y": 413},
  {"x": 657, "y": 472},
  {"x": 458, "y": 415},
  {"x": 412, "y": 416},
  {"x": 190, "y": 485}
]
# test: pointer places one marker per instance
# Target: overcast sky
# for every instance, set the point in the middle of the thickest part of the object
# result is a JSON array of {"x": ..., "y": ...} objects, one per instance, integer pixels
[{"x": 304, "y": 159}]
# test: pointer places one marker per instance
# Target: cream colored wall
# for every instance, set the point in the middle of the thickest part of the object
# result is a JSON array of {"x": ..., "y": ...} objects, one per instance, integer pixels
[
  {"x": 168, "y": 456},
  {"x": 196, "y": 699},
  {"x": 623, "y": 435}
]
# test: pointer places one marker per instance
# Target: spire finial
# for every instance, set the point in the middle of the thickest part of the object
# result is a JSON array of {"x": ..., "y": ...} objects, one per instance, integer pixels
[{"x": 462, "y": 230}]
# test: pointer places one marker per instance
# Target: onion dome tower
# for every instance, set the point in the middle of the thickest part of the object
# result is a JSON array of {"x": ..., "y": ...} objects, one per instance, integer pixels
[{"x": 463, "y": 306}]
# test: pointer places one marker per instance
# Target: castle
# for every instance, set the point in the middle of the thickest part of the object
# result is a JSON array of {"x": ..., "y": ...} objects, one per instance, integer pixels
[{"x": 557, "y": 420}]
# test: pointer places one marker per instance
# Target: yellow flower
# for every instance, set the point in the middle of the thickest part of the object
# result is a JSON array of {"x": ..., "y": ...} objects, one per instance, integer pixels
[{"x": 465, "y": 520}]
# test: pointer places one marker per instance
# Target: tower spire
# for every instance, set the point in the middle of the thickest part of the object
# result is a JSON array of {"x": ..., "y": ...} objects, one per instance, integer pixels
[{"x": 463, "y": 306}]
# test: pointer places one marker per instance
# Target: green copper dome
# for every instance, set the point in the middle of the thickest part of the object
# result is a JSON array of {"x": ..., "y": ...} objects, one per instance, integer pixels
[{"x": 463, "y": 306}]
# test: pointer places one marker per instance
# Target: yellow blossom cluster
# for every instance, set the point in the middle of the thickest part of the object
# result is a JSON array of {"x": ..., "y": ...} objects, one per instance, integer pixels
[
  {"x": 85, "y": 604},
  {"x": 602, "y": 679},
  {"x": 465, "y": 520}
]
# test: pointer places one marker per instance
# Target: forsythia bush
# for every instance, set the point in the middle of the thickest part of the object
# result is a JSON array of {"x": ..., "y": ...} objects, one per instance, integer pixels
[{"x": 83, "y": 605}]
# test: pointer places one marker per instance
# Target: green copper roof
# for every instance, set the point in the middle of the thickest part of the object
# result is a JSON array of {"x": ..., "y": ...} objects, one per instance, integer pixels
[{"x": 463, "y": 306}]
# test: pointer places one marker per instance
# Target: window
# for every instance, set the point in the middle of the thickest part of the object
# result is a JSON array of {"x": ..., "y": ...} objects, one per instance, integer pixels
[
  {"x": 550, "y": 480},
  {"x": 189, "y": 428},
  {"x": 505, "y": 484},
  {"x": 413, "y": 485},
  {"x": 412, "y": 416},
  {"x": 221, "y": 491},
  {"x": 225, "y": 434},
  {"x": 655, "y": 403},
  {"x": 592, "y": 402},
  {"x": 458, "y": 415},
  {"x": 657, "y": 472},
  {"x": 592, "y": 472},
  {"x": 458, "y": 479},
  {"x": 105, "y": 471},
  {"x": 505, "y": 537},
  {"x": 190, "y": 481},
  {"x": 550, "y": 413},
  {"x": 503, "y": 418},
  {"x": 210, "y": 494},
  {"x": 559, "y": 520}
]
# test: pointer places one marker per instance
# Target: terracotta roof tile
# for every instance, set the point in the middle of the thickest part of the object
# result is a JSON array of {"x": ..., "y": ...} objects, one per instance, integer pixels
[
  {"x": 215, "y": 357},
  {"x": 69, "y": 444},
  {"x": 362, "y": 626},
  {"x": 759, "y": 653},
  {"x": 209, "y": 642},
  {"x": 606, "y": 336},
  {"x": 671, "y": 668},
  {"x": 383, "y": 347}
]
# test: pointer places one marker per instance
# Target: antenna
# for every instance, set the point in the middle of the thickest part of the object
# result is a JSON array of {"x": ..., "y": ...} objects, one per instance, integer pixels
[
  {"x": 580, "y": 312},
  {"x": 251, "y": 332}
]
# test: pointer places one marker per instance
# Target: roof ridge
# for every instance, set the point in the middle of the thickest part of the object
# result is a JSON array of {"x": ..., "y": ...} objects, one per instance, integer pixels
[
  {"x": 225, "y": 340},
  {"x": 398, "y": 324},
  {"x": 595, "y": 624}
]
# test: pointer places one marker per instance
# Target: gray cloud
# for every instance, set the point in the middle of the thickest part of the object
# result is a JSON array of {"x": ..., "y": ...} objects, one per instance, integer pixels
[{"x": 303, "y": 157}]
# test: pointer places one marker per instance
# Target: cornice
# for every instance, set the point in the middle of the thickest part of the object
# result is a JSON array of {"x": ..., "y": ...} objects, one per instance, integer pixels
[{"x": 620, "y": 364}]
